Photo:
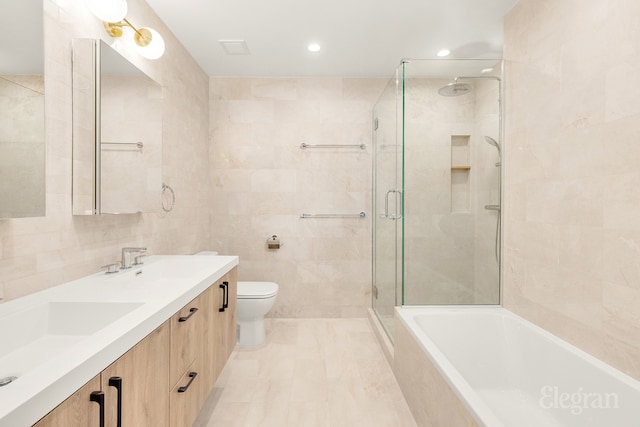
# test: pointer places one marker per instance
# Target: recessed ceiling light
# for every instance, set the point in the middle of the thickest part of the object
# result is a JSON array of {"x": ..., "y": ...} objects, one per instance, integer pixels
[
  {"x": 443, "y": 52},
  {"x": 314, "y": 47},
  {"x": 486, "y": 70}
]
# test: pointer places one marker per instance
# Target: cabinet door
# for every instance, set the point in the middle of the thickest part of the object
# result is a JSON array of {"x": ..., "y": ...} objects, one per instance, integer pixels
[
  {"x": 144, "y": 375},
  {"x": 225, "y": 327},
  {"x": 205, "y": 355},
  {"x": 230, "y": 316},
  {"x": 77, "y": 410}
]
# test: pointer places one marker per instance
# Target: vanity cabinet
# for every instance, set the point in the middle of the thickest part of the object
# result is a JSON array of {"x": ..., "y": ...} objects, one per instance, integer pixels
[
  {"x": 131, "y": 390},
  {"x": 164, "y": 379}
]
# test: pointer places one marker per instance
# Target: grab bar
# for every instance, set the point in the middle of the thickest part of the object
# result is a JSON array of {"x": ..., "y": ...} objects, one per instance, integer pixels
[
  {"x": 137, "y": 144},
  {"x": 305, "y": 145},
  {"x": 358, "y": 215}
]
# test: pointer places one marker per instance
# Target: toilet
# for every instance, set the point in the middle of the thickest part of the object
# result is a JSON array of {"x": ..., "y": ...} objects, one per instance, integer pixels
[{"x": 255, "y": 300}]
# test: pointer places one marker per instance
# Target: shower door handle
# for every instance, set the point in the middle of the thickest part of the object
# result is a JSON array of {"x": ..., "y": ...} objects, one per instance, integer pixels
[
  {"x": 394, "y": 216},
  {"x": 385, "y": 214}
]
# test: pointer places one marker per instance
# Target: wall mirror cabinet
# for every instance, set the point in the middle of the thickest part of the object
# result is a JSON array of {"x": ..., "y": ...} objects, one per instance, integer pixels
[
  {"x": 22, "y": 145},
  {"x": 117, "y": 133}
]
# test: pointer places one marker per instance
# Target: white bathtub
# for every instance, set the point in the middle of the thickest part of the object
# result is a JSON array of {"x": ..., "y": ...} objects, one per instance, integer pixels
[{"x": 506, "y": 371}]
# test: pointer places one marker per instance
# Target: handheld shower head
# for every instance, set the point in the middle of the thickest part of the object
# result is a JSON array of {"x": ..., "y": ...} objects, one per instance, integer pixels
[{"x": 493, "y": 142}]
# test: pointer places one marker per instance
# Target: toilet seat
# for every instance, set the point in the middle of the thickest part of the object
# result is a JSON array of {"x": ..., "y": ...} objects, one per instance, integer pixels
[{"x": 257, "y": 290}]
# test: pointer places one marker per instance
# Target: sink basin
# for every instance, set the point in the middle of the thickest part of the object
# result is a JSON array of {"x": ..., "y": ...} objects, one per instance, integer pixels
[{"x": 35, "y": 334}]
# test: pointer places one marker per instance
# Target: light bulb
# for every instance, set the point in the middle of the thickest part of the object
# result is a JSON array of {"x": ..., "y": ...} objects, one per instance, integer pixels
[
  {"x": 108, "y": 10},
  {"x": 149, "y": 43}
]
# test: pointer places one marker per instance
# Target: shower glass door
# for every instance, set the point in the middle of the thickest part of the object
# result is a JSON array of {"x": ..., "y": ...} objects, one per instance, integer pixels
[
  {"x": 437, "y": 177},
  {"x": 387, "y": 205},
  {"x": 451, "y": 182}
]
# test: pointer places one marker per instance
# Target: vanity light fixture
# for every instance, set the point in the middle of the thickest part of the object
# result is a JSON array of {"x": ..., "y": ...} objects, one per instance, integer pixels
[{"x": 148, "y": 42}]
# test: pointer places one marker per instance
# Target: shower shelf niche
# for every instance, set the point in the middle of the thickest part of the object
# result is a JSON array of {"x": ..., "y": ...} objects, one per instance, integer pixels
[{"x": 460, "y": 168}]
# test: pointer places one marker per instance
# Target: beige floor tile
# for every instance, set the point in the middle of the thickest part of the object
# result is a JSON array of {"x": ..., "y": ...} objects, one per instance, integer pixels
[
  {"x": 310, "y": 372},
  {"x": 308, "y": 414},
  {"x": 267, "y": 414}
]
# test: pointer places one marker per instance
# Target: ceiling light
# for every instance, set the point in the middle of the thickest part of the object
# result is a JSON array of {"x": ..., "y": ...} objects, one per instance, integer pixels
[
  {"x": 148, "y": 42},
  {"x": 443, "y": 52},
  {"x": 314, "y": 47}
]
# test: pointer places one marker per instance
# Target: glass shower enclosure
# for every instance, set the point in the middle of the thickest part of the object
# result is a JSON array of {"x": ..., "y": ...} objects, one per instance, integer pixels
[{"x": 437, "y": 183}]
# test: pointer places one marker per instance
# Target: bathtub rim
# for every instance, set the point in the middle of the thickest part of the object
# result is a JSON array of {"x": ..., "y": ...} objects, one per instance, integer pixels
[{"x": 480, "y": 411}]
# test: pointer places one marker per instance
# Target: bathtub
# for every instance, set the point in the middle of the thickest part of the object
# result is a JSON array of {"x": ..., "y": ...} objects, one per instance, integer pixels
[{"x": 485, "y": 366}]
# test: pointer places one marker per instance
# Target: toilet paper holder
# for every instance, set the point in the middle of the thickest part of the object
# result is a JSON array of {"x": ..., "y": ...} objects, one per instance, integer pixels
[{"x": 273, "y": 242}]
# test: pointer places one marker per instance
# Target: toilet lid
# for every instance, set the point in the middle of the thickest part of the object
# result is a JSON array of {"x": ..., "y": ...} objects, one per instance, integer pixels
[{"x": 257, "y": 290}]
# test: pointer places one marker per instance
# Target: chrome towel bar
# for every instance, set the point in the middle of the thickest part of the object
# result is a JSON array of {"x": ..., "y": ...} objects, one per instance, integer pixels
[
  {"x": 358, "y": 215},
  {"x": 305, "y": 145},
  {"x": 137, "y": 144}
]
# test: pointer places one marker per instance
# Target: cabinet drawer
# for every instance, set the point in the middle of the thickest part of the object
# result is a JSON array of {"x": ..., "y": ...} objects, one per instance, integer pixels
[
  {"x": 186, "y": 325},
  {"x": 184, "y": 399}
]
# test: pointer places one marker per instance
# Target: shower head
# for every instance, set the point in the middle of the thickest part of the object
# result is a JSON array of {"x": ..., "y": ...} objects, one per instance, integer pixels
[
  {"x": 493, "y": 142},
  {"x": 455, "y": 88}
]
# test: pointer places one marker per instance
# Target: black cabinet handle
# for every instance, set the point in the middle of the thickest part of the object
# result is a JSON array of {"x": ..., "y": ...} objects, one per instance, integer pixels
[
  {"x": 184, "y": 388},
  {"x": 224, "y": 296},
  {"x": 117, "y": 383},
  {"x": 192, "y": 311},
  {"x": 98, "y": 397}
]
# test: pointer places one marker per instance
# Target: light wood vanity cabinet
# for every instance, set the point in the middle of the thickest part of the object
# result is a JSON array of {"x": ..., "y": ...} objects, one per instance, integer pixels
[
  {"x": 157, "y": 384},
  {"x": 128, "y": 390}
]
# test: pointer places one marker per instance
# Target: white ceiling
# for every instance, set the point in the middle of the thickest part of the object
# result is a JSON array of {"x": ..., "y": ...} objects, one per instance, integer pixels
[{"x": 359, "y": 38}]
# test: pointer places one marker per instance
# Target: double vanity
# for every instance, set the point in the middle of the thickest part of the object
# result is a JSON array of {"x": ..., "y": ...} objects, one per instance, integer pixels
[{"x": 143, "y": 346}]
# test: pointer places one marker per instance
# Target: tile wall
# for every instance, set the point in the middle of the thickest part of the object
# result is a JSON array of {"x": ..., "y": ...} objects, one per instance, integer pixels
[
  {"x": 21, "y": 146},
  {"x": 37, "y": 253},
  {"x": 261, "y": 181},
  {"x": 572, "y": 184}
]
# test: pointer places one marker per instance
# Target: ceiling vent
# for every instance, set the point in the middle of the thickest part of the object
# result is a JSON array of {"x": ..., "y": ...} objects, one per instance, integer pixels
[{"x": 234, "y": 47}]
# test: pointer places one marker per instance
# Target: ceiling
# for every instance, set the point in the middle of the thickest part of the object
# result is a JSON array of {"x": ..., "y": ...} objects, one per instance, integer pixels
[{"x": 358, "y": 38}]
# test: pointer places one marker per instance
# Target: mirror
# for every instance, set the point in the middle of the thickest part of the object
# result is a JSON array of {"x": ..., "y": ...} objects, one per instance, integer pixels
[
  {"x": 117, "y": 133},
  {"x": 22, "y": 147}
]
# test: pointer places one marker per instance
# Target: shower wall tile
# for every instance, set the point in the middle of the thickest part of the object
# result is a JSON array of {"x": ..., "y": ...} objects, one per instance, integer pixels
[
  {"x": 572, "y": 222},
  {"x": 37, "y": 253},
  {"x": 262, "y": 181}
]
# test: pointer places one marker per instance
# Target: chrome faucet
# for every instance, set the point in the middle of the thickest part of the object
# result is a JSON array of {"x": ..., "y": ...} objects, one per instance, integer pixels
[{"x": 126, "y": 256}]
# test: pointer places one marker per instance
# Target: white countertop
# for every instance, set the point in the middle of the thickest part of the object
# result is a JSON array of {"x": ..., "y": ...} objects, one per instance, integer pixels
[{"x": 148, "y": 294}]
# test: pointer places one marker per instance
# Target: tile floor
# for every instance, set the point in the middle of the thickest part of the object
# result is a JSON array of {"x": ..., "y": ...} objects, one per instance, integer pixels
[{"x": 311, "y": 372}]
